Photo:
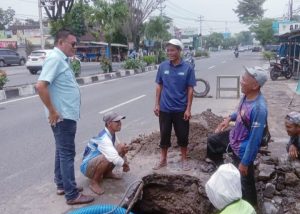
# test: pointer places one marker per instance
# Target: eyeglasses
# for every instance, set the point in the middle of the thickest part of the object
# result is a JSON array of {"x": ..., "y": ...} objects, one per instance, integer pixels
[{"x": 73, "y": 44}]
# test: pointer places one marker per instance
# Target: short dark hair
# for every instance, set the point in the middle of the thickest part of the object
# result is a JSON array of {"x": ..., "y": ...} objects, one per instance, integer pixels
[{"x": 63, "y": 34}]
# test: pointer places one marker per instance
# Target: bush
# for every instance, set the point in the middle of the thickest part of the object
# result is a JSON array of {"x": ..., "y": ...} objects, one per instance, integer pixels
[
  {"x": 134, "y": 64},
  {"x": 268, "y": 55},
  {"x": 149, "y": 59},
  {"x": 162, "y": 56},
  {"x": 106, "y": 65},
  {"x": 76, "y": 66},
  {"x": 3, "y": 78},
  {"x": 201, "y": 53}
]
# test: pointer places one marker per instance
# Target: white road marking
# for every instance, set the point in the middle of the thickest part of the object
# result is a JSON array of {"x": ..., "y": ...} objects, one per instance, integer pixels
[
  {"x": 121, "y": 104},
  {"x": 211, "y": 67},
  {"x": 82, "y": 86}
]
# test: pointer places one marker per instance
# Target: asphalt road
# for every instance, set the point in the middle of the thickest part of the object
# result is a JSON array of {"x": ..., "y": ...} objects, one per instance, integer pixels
[
  {"x": 19, "y": 75},
  {"x": 27, "y": 145}
]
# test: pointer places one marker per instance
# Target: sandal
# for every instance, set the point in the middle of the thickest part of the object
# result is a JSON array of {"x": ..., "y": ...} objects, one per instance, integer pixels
[
  {"x": 186, "y": 166},
  {"x": 159, "y": 165}
]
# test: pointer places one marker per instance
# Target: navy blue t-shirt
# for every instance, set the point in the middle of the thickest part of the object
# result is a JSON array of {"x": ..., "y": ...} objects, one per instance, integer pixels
[{"x": 175, "y": 81}]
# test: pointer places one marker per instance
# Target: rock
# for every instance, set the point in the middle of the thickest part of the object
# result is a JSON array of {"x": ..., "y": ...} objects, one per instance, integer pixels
[
  {"x": 269, "y": 208},
  {"x": 269, "y": 190},
  {"x": 277, "y": 200},
  {"x": 265, "y": 171},
  {"x": 291, "y": 179}
]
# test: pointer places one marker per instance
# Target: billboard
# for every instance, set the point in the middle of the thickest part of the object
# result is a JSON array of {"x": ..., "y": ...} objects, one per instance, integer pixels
[{"x": 282, "y": 27}]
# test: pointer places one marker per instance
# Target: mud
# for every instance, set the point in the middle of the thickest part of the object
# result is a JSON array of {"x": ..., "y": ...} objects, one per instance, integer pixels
[{"x": 171, "y": 194}]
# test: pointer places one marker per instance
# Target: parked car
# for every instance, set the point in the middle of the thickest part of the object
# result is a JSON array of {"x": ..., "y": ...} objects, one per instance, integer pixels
[
  {"x": 36, "y": 60},
  {"x": 10, "y": 57},
  {"x": 256, "y": 49}
]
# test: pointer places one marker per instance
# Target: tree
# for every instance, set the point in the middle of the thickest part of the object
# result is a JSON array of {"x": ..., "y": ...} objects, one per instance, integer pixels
[
  {"x": 6, "y": 17},
  {"x": 139, "y": 11},
  {"x": 110, "y": 17},
  {"x": 214, "y": 40},
  {"x": 55, "y": 9},
  {"x": 263, "y": 31},
  {"x": 249, "y": 11},
  {"x": 157, "y": 29},
  {"x": 73, "y": 20},
  {"x": 230, "y": 42},
  {"x": 244, "y": 38}
]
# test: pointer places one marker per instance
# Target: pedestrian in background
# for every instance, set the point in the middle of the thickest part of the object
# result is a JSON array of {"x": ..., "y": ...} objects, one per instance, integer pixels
[
  {"x": 173, "y": 103},
  {"x": 60, "y": 94},
  {"x": 104, "y": 152},
  {"x": 245, "y": 137},
  {"x": 292, "y": 126}
]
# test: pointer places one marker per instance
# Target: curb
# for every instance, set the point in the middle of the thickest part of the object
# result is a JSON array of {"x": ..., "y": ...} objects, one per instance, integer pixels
[{"x": 26, "y": 90}]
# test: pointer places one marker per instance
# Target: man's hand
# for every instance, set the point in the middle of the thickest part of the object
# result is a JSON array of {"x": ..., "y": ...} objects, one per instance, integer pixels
[
  {"x": 187, "y": 115},
  {"x": 223, "y": 125},
  {"x": 53, "y": 118},
  {"x": 243, "y": 169},
  {"x": 156, "y": 110},
  {"x": 293, "y": 151},
  {"x": 126, "y": 167}
]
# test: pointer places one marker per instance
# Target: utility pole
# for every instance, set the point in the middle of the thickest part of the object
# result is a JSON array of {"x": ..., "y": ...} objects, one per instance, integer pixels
[
  {"x": 200, "y": 35},
  {"x": 161, "y": 8},
  {"x": 290, "y": 10},
  {"x": 41, "y": 24}
]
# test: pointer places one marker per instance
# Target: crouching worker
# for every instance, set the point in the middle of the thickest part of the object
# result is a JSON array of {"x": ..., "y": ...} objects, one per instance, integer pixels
[
  {"x": 292, "y": 126},
  {"x": 103, "y": 153},
  {"x": 224, "y": 191}
]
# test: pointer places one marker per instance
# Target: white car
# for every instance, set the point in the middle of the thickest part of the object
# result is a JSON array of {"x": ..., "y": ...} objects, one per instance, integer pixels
[{"x": 36, "y": 60}]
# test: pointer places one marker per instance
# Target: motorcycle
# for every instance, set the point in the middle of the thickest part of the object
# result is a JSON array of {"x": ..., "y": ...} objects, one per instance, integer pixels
[
  {"x": 282, "y": 68},
  {"x": 236, "y": 53},
  {"x": 190, "y": 60}
]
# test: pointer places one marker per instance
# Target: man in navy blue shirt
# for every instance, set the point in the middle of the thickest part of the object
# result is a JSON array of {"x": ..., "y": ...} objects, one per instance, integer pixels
[{"x": 174, "y": 95}]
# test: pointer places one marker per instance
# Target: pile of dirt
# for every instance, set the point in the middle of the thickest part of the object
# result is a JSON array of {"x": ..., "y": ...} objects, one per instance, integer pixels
[{"x": 201, "y": 125}]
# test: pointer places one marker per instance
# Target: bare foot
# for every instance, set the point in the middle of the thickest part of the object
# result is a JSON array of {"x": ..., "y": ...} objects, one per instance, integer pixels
[
  {"x": 113, "y": 176},
  {"x": 96, "y": 188}
]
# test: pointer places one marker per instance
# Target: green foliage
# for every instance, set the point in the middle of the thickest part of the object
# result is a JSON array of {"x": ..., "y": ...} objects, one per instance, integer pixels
[
  {"x": 28, "y": 47},
  {"x": 149, "y": 59},
  {"x": 3, "y": 78},
  {"x": 214, "y": 40},
  {"x": 76, "y": 66},
  {"x": 201, "y": 53},
  {"x": 75, "y": 21},
  {"x": 162, "y": 56},
  {"x": 6, "y": 17},
  {"x": 134, "y": 64},
  {"x": 250, "y": 11},
  {"x": 105, "y": 65},
  {"x": 157, "y": 29},
  {"x": 263, "y": 31},
  {"x": 244, "y": 38},
  {"x": 268, "y": 55},
  {"x": 230, "y": 42}
]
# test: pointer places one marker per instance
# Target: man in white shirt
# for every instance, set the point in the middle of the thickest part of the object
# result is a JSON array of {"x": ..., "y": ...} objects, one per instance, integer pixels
[{"x": 104, "y": 152}]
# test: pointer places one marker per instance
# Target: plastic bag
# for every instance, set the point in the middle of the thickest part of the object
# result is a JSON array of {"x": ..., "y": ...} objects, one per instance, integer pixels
[{"x": 224, "y": 186}]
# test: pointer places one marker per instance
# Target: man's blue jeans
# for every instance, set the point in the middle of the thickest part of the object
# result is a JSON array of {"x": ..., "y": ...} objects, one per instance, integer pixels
[{"x": 64, "y": 134}]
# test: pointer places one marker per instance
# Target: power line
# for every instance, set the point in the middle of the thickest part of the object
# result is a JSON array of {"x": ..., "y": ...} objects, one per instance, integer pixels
[{"x": 172, "y": 3}]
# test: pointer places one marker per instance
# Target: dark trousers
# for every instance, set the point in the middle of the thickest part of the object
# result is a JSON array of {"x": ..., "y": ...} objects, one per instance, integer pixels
[
  {"x": 216, "y": 147},
  {"x": 64, "y": 176}
]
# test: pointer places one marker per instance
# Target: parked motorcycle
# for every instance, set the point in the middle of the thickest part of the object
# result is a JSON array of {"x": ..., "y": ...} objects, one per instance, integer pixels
[
  {"x": 236, "y": 53},
  {"x": 282, "y": 68}
]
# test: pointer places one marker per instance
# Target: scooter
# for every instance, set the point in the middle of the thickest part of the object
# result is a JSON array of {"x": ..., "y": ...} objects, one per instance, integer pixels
[
  {"x": 189, "y": 59},
  {"x": 236, "y": 54},
  {"x": 282, "y": 68}
]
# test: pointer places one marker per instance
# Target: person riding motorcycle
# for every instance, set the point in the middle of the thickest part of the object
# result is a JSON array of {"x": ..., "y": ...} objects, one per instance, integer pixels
[{"x": 236, "y": 52}]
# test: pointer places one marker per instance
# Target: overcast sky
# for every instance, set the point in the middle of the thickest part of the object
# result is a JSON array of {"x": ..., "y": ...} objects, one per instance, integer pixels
[{"x": 218, "y": 15}]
